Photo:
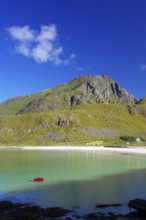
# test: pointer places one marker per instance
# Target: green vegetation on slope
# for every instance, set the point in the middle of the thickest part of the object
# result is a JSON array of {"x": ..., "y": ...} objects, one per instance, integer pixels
[{"x": 88, "y": 123}]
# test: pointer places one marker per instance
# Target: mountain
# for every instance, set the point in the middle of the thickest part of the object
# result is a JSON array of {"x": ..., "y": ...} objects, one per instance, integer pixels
[
  {"x": 142, "y": 101},
  {"x": 84, "y": 89},
  {"x": 88, "y": 110}
]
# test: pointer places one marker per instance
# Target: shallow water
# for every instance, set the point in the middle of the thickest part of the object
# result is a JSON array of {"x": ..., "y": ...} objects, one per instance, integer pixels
[{"x": 72, "y": 179}]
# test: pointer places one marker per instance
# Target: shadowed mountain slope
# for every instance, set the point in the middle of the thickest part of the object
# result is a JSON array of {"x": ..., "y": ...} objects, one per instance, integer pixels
[{"x": 142, "y": 101}]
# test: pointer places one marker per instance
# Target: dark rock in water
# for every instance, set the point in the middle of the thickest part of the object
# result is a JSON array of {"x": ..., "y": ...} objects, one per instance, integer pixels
[
  {"x": 55, "y": 212},
  {"x": 5, "y": 205},
  {"x": 107, "y": 205},
  {"x": 91, "y": 216},
  {"x": 139, "y": 205},
  {"x": 17, "y": 211}
]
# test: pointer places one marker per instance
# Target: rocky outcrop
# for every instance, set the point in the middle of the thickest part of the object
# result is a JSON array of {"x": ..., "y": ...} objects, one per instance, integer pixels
[
  {"x": 52, "y": 136},
  {"x": 137, "y": 109},
  {"x": 139, "y": 205},
  {"x": 100, "y": 89},
  {"x": 63, "y": 123},
  {"x": 9, "y": 210}
]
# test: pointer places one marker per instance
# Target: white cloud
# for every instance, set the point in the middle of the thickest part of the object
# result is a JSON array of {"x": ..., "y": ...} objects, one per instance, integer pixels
[
  {"x": 47, "y": 33},
  {"x": 67, "y": 61},
  {"x": 23, "y": 49},
  {"x": 142, "y": 67},
  {"x": 41, "y": 46},
  {"x": 21, "y": 33},
  {"x": 79, "y": 68}
]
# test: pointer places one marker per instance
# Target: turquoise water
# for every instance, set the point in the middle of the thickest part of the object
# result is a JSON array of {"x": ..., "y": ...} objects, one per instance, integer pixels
[{"x": 72, "y": 179}]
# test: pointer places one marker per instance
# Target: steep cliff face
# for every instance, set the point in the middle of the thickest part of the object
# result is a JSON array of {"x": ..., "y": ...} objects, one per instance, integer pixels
[
  {"x": 84, "y": 89},
  {"x": 100, "y": 89}
]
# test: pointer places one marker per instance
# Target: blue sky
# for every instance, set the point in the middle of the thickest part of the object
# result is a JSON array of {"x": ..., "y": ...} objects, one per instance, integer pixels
[{"x": 45, "y": 43}]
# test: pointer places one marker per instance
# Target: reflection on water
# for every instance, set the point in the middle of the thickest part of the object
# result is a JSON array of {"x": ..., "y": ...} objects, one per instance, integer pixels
[{"x": 71, "y": 178}]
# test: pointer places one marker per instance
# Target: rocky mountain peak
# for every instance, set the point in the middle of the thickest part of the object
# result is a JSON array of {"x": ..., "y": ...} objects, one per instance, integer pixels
[
  {"x": 83, "y": 89},
  {"x": 100, "y": 89}
]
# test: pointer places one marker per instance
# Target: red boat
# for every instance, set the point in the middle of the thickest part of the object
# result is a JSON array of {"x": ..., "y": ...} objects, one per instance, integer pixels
[{"x": 38, "y": 179}]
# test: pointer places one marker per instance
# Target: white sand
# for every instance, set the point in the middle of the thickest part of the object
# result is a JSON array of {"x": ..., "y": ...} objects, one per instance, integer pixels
[{"x": 129, "y": 150}]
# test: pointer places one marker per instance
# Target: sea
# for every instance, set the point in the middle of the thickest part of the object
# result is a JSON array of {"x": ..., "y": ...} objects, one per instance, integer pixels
[{"x": 79, "y": 180}]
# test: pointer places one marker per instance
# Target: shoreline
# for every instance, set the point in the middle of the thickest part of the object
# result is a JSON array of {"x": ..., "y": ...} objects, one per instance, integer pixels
[
  {"x": 27, "y": 210},
  {"x": 118, "y": 150}
]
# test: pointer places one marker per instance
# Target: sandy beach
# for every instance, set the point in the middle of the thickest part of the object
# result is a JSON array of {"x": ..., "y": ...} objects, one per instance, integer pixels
[{"x": 118, "y": 150}]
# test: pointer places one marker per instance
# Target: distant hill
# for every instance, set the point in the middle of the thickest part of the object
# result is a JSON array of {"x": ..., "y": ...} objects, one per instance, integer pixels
[
  {"x": 84, "y": 89},
  {"x": 142, "y": 101},
  {"x": 88, "y": 110}
]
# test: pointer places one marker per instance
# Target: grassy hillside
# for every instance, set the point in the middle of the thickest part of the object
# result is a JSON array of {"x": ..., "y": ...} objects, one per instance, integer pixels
[
  {"x": 87, "y": 123},
  {"x": 89, "y": 109}
]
